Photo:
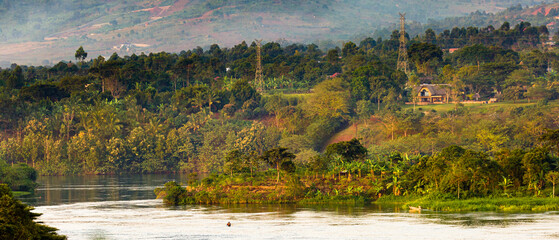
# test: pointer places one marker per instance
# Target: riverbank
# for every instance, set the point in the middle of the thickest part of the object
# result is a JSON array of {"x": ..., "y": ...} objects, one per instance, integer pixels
[
  {"x": 296, "y": 191},
  {"x": 222, "y": 189}
]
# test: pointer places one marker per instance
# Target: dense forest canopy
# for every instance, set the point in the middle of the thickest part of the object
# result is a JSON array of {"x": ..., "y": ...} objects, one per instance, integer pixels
[{"x": 185, "y": 111}]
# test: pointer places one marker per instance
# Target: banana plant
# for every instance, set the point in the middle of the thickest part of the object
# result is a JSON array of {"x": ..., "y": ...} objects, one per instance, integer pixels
[
  {"x": 358, "y": 165},
  {"x": 382, "y": 171},
  {"x": 506, "y": 183},
  {"x": 372, "y": 166}
]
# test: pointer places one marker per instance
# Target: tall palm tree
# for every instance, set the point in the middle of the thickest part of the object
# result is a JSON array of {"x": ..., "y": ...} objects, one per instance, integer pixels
[{"x": 213, "y": 97}]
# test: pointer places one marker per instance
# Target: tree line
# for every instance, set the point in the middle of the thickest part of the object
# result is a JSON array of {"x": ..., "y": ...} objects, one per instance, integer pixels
[
  {"x": 185, "y": 111},
  {"x": 347, "y": 173}
]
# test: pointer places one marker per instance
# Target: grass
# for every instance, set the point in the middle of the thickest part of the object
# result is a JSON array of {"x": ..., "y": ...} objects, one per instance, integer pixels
[
  {"x": 287, "y": 94},
  {"x": 428, "y": 108},
  {"x": 20, "y": 194},
  {"x": 477, "y": 107},
  {"x": 501, "y": 204}
]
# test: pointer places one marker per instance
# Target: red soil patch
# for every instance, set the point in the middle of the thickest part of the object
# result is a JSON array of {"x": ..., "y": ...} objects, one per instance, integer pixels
[{"x": 544, "y": 10}]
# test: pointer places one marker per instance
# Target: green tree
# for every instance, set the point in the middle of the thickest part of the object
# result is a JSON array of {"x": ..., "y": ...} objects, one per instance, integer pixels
[
  {"x": 15, "y": 79},
  {"x": 511, "y": 164},
  {"x": 318, "y": 164},
  {"x": 333, "y": 56},
  {"x": 242, "y": 91},
  {"x": 551, "y": 138},
  {"x": 331, "y": 99},
  {"x": 349, "y": 150},
  {"x": 349, "y": 49},
  {"x": 426, "y": 57},
  {"x": 519, "y": 78},
  {"x": 19, "y": 177},
  {"x": 535, "y": 164},
  {"x": 476, "y": 82},
  {"x": 80, "y": 55},
  {"x": 513, "y": 93},
  {"x": 553, "y": 178},
  {"x": 278, "y": 157},
  {"x": 233, "y": 162},
  {"x": 274, "y": 105},
  {"x": 18, "y": 222},
  {"x": 430, "y": 36}
]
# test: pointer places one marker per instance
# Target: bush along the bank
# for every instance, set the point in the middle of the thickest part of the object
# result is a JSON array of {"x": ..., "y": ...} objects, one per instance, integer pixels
[{"x": 19, "y": 177}]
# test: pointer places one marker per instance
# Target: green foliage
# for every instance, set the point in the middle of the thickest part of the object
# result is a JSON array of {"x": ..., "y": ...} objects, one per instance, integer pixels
[
  {"x": 535, "y": 164},
  {"x": 280, "y": 158},
  {"x": 450, "y": 180},
  {"x": 349, "y": 150},
  {"x": 18, "y": 222},
  {"x": 424, "y": 55},
  {"x": 40, "y": 92},
  {"x": 167, "y": 112},
  {"x": 330, "y": 100},
  {"x": 174, "y": 194},
  {"x": 80, "y": 55},
  {"x": 233, "y": 162},
  {"x": 19, "y": 177},
  {"x": 522, "y": 204},
  {"x": 241, "y": 92},
  {"x": 16, "y": 79},
  {"x": 320, "y": 130}
]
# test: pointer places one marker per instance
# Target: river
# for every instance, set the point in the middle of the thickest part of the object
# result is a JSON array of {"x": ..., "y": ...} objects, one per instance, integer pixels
[{"x": 123, "y": 207}]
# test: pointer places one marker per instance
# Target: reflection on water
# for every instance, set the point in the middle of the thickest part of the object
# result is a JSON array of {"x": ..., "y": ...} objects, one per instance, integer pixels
[
  {"x": 71, "y": 189},
  {"x": 123, "y": 208}
]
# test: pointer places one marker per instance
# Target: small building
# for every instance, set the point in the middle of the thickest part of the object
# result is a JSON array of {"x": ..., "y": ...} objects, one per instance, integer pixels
[{"x": 432, "y": 93}]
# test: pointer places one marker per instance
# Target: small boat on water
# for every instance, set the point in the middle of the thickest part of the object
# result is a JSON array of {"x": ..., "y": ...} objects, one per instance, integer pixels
[{"x": 415, "y": 209}]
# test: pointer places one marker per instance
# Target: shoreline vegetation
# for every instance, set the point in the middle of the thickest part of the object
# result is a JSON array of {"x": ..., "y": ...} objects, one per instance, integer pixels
[
  {"x": 338, "y": 189},
  {"x": 17, "y": 221},
  {"x": 174, "y": 194},
  {"x": 453, "y": 180}
]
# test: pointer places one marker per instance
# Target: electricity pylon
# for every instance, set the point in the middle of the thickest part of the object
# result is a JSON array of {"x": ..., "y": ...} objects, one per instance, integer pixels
[
  {"x": 258, "y": 78},
  {"x": 402, "y": 51}
]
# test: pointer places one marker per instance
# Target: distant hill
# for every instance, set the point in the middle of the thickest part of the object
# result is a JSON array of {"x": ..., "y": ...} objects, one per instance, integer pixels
[
  {"x": 542, "y": 14},
  {"x": 47, "y": 31}
]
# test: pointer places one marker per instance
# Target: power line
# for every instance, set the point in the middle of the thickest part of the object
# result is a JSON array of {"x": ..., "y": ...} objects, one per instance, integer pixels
[{"x": 258, "y": 78}]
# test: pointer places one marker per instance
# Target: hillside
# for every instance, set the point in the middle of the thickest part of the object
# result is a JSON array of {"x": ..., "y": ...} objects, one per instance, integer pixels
[
  {"x": 45, "y": 32},
  {"x": 541, "y": 14}
]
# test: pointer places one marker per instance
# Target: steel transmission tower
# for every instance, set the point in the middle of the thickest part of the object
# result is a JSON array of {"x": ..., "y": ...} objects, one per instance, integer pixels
[
  {"x": 258, "y": 78},
  {"x": 402, "y": 52}
]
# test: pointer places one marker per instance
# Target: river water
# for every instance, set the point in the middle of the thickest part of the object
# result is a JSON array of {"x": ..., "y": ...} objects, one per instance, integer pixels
[{"x": 123, "y": 207}]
